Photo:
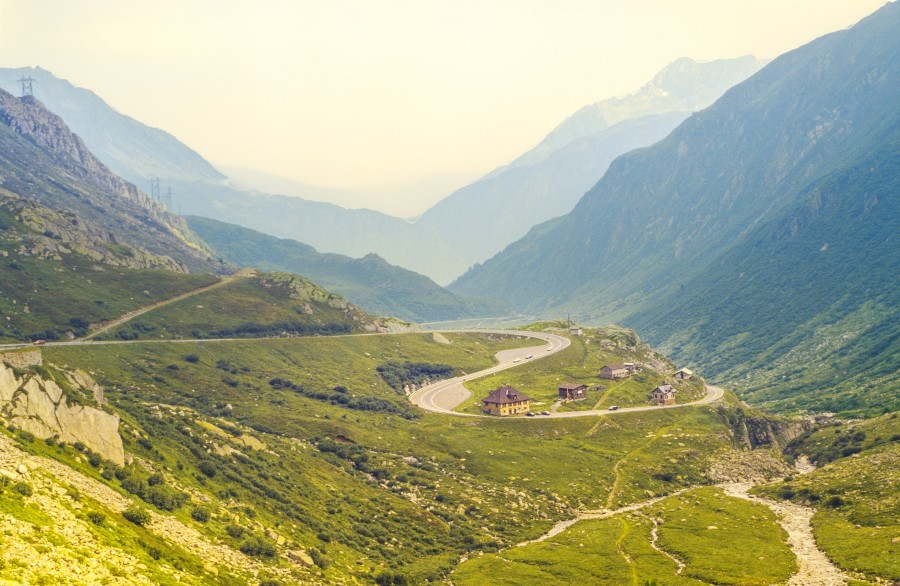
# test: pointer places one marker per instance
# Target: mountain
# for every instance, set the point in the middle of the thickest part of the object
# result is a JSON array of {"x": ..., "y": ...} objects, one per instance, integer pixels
[
  {"x": 42, "y": 161},
  {"x": 758, "y": 223},
  {"x": 131, "y": 149},
  {"x": 369, "y": 282},
  {"x": 547, "y": 181},
  {"x": 467, "y": 227}
]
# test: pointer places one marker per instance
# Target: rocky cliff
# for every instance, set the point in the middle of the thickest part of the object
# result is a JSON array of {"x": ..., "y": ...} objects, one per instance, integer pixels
[{"x": 33, "y": 401}]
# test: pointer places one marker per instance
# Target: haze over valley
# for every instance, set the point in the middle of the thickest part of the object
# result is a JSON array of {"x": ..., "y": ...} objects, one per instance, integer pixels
[{"x": 494, "y": 294}]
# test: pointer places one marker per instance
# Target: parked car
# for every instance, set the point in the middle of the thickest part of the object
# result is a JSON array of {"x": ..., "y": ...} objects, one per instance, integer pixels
[
  {"x": 530, "y": 414},
  {"x": 529, "y": 357},
  {"x": 614, "y": 408},
  {"x": 39, "y": 342},
  {"x": 545, "y": 413}
]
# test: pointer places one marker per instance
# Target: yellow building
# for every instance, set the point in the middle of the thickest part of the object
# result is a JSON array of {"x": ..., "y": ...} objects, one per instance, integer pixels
[{"x": 506, "y": 401}]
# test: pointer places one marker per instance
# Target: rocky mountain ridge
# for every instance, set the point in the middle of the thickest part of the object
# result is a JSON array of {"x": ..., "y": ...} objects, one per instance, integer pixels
[{"x": 44, "y": 162}]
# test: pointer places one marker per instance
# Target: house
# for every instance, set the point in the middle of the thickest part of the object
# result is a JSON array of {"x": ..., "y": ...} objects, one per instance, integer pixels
[
  {"x": 506, "y": 401},
  {"x": 576, "y": 331},
  {"x": 572, "y": 391},
  {"x": 684, "y": 374},
  {"x": 664, "y": 394},
  {"x": 615, "y": 370}
]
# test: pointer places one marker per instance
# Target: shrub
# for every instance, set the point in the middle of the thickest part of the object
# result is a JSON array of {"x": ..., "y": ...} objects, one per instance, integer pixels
[
  {"x": 23, "y": 488},
  {"x": 835, "y": 502},
  {"x": 208, "y": 468},
  {"x": 200, "y": 514},
  {"x": 96, "y": 517},
  {"x": 95, "y": 460},
  {"x": 258, "y": 547},
  {"x": 192, "y": 358},
  {"x": 234, "y": 530},
  {"x": 136, "y": 515}
]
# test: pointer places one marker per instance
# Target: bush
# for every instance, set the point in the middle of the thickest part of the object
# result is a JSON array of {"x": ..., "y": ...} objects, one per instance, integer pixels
[
  {"x": 208, "y": 468},
  {"x": 23, "y": 488},
  {"x": 95, "y": 460},
  {"x": 235, "y": 531},
  {"x": 192, "y": 358},
  {"x": 835, "y": 502},
  {"x": 200, "y": 514},
  {"x": 96, "y": 517},
  {"x": 136, "y": 515},
  {"x": 258, "y": 547}
]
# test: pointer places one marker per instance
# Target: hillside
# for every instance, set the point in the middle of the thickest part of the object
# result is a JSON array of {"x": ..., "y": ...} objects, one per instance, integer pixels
[
  {"x": 465, "y": 228},
  {"x": 131, "y": 149},
  {"x": 252, "y": 306},
  {"x": 760, "y": 205},
  {"x": 42, "y": 161},
  {"x": 548, "y": 180},
  {"x": 369, "y": 282}
]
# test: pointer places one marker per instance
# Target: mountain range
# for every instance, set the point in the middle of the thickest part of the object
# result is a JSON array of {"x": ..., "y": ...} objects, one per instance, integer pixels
[
  {"x": 756, "y": 226},
  {"x": 465, "y": 228}
]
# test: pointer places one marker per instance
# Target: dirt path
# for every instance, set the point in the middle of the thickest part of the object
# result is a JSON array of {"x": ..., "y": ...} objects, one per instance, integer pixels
[
  {"x": 243, "y": 274},
  {"x": 815, "y": 569}
]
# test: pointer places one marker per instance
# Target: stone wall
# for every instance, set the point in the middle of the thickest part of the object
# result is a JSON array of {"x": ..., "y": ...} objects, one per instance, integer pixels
[{"x": 22, "y": 358}]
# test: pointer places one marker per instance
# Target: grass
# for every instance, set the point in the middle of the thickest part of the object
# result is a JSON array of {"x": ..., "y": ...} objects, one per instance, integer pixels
[
  {"x": 580, "y": 363},
  {"x": 405, "y": 491},
  {"x": 618, "y": 550},
  {"x": 32, "y": 289},
  {"x": 854, "y": 493},
  {"x": 266, "y": 305}
]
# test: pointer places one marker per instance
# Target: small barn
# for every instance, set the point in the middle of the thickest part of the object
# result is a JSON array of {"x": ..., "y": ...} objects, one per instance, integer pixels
[
  {"x": 572, "y": 391},
  {"x": 684, "y": 374},
  {"x": 576, "y": 331},
  {"x": 664, "y": 394},
  {"x": 615, "y": 370},
  {"x": 506, "y": 400}
]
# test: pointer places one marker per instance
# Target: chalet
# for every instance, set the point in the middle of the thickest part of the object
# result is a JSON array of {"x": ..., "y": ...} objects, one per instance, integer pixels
[
  {"x": 506, "y": 401},
  {"x": 684, "y": 374},
  {"x": 616, "y": 370},
  {"x": 572, "y": 392},
  {"x": 664, "y": 394}
]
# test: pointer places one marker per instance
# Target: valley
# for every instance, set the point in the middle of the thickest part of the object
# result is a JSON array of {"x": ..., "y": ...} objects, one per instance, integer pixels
[{"x": 659, "y": 347}]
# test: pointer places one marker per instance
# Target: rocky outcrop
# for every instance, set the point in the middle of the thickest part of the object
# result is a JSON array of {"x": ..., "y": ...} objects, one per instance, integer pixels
[
  {"x": 756, "y": 430},
  {"x": 22, "y": 358},
  {"x": 40, "y": 406}
]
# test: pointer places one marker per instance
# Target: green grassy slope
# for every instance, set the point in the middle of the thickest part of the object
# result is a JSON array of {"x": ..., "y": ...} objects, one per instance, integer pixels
[
  {"x": 271, "y": 304},
  {"x": 369, "y": 282},
  {"x": 352, "y": 471},
  {"x": 854, "y": 492}
]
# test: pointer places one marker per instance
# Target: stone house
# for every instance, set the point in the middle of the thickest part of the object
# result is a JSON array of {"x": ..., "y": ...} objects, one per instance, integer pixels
[
  {"x": 684, "y": 374},
  {"x": 616, "y": 370},
  {"x": 506, "y": 401},
  {"x": 664, "y": 394},
  {"x": 572, "y": 391}
]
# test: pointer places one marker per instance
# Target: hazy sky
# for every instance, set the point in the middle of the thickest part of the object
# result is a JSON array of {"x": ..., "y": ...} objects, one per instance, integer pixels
[{"x": 375, "y": 95}]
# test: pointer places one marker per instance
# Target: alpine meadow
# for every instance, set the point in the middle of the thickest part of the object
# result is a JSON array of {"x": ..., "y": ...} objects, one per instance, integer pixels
[{"x": 660, "y": 347}]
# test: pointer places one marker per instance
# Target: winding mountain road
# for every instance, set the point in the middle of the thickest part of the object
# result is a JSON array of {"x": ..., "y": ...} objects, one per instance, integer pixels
[{"x": 446, "y": 395}]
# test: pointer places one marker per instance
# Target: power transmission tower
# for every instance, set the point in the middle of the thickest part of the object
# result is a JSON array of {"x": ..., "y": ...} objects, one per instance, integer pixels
[
  {"x": 154, "y": 188},
  {"x": 27, "y": 89},
  {"x": 168, "y": 200}
]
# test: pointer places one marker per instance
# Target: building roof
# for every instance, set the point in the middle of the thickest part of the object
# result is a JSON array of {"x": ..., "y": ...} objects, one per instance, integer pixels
[
  {"x": 571, "y": 386},
  {"x": 505, "y": 394},
  {"x": 615, "y": 366},
  {"x": 685, "y": 371},
  {"x": 664, "y": 388}
]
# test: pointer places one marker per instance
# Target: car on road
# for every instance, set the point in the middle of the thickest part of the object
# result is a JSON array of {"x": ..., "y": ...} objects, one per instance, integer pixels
[
  {"x": 529, "y": 357},
  {"x": 614, "y": 408},
  {"x": 530, "y": 414},
  {"x": 39, "y": 342},
  {"x": 545, "y": 413},
  {"x": 517, "y": 360}
]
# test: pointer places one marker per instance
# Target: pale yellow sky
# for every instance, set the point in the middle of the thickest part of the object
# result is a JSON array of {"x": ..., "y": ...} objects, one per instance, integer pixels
[{"x": 374, "y": 95}]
